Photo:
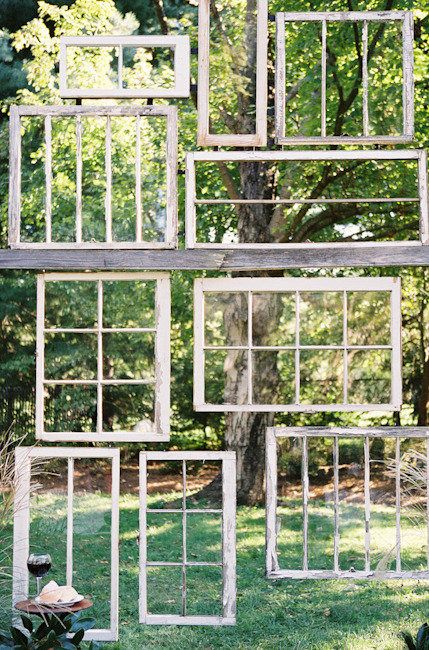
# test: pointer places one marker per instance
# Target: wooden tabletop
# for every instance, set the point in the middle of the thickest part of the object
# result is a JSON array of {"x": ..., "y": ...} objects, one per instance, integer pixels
[{"x": 30, "y": 607}]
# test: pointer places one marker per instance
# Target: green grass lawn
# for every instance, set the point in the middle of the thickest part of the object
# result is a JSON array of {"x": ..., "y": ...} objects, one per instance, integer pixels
[{"x": 281, "y": 614}]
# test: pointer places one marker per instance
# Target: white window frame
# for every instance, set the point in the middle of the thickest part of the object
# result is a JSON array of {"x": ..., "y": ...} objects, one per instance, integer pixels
[
  {"x": 278, "y": 156},
  {"x": 273, "y": 569},
  {"x": 204, "y": 137},
  {"x": 51, "y": 112},
  {"x": 365, "y": 17},
  {"x": 298, "y": 285},
  {"x": 181, "y": 50},
  {"x": 21, "y": 531},
  {"x": 161, "y": 382},
  {"x": 228, "y": 513}
]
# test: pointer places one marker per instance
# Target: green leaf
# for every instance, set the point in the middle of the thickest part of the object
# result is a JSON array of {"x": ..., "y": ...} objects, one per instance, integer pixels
[
  {"x": 19, "y": 637},
  {"x": 78, "y": 637},
  {"x": 68, "y": 645},
  {"x": 27, "y": 623},
  {"x": 84, "y": 624}
]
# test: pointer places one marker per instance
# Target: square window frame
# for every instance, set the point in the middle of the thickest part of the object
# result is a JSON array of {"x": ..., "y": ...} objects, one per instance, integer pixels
[
  {"x": 297, "y": 285},
  {"x": 180, "y": 44},
  {"x": 21, "y": 527},
  {"x": 325, "y": 17},
  {"x": 228, "y": 563},
  {"x": 161, "y": 381}
]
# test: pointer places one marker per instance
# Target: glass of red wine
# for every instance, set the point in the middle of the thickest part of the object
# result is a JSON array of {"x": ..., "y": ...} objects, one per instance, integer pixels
[{"x": 39, "y": 566}]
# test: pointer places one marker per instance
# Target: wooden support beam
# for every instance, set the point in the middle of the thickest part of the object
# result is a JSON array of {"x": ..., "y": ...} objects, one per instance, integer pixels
[{"x": 301, "y": 257}]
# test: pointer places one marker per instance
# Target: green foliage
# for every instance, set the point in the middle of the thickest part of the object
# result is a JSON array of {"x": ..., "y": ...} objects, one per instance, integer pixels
[
  {"x": 422, "y": 639},
  {"x": 53, "y": 632}
]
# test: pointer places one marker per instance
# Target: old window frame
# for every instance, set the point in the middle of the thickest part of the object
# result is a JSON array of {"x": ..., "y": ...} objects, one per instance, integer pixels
[
  {"x": 273, "y": 570},
  {"x": 161, "y": 380},
  {"x": 180, "y": 44},
  {"x": 365, "y": 17},
  {"x": 21, "y": 530},
  {"x": 204, "y": 137},
  {"x": 192, "y": 202},
  {"x": 51, "y": 112},
  {"x": 297, "y": 285},
  {"x": 228, "y": 512}
]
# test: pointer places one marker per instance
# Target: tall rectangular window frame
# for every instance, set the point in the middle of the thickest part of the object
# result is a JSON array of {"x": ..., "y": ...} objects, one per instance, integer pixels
[
  {"x": 204, "y": 137},
  {"x": 192, "y": 201},
  {"x": 228, "y": 512},
  {"x": 180, "y": 44},
  {"x": 325, "y": 17},
  {"x": 21, "y": 530},
  {"x": 296, "y": 285},
  {"x": 273, "y": 570},
  {"x": 161, "y": 382},
  {"x": 49, "y": 113}
]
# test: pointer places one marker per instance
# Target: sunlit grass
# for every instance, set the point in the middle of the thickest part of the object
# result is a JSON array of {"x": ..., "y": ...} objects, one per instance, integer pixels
[{"x": 322, "y": 615}]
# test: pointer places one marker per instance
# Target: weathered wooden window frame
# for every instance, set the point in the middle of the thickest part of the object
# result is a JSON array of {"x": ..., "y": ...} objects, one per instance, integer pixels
[
  {"x": 228, "y": 513},
  {"x": 297, "y": 285},
  {"x": 204, "y": 137},
  {"x": 278, "y": 156},
  {"x": 21, "y": 531},
  {"x": 161, "y": 381},
  {"x": 180, "y": 44},
  {"x": 50, "y": 112},
  {"x": 273, "y": 569},
  {"x": 325, "y": 17}
]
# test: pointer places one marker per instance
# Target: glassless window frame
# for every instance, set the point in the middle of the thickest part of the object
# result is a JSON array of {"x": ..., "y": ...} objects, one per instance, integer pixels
[
  {"x": 273, "y": 569},
  {"x": 364, "y": 17},
  {"x": 21, "y": 529},
  {"x": 192, "y": 201},
  {"x": 161, "y": 380},
  {"x": 179, "y": 44},
  {"x": 228, "y": 563},
  {"x": 49, "y": 113},
  {"x": 296, "y": 285}
]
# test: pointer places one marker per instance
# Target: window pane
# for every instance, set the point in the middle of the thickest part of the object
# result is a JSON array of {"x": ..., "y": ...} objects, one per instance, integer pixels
[
  {"x": 204, "y": 591},
  {"x": 273, "y": 317},
  {"x": 273, "y": 377},
  {"x": 164, "y": 590},
  {"x": 321, "y": 377},
  {"x": 204, "y": 537},
  {"x": 70, "y": 304},
  {"x": 369, "y": 376},
  {"x": 129, "y": 408},
  {"x": 129, "y": 355},
  {"x": 70, "y": 356},
  {"x": 225, "y": 316},
  {"x": 128, "y": 303},
  {"x": 368, "y": 318},
  {"x": 71, "y": 408},
  {"x": 164, "y": 537},
  {"x": 226, "y": 377},
  {"x": 321, "y": 318}
]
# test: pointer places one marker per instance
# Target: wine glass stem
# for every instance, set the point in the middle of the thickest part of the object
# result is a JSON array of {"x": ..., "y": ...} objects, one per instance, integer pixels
[{"x": 38, "y": 581}]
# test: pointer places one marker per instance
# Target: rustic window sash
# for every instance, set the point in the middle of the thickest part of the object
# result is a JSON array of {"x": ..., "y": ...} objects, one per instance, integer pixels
[
  {"x": 273, "y": 569},
  {"x": 364, "y": 17},
  {"x": 161, "y": 380},
  {"x": 296, "y": 285},
  {"x": 79, "y": 112},
  {"x": 180, "y": 46},
  {"x": 21, "y": 531},
  {"x": 228, "y": 563},
  {"x": 419, "y": 155},
  {"x": 205, "y": 138}
]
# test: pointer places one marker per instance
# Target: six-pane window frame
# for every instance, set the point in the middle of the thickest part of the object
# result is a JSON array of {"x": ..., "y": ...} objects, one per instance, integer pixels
[
  {"x": 21, "y": 529},
  {"x": 161, "y": 382},
  {"x": 228, "y": 511},
  {"x": 180, "y": 44},
  {"x": 419, "y": 155},
  {"x": 51, "y": 112},
  {"x": 366, "y": 434},
  {"x": 297, "y": 286},
  {"x": 325, "y": 17}
]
